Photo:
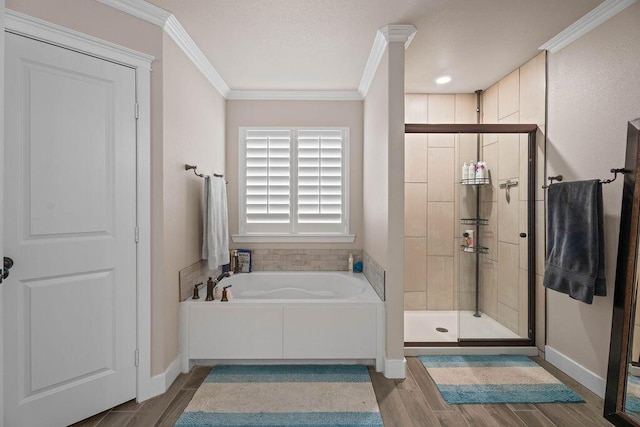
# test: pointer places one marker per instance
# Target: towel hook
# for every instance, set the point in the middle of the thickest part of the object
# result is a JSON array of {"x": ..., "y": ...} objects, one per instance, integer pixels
[{"x": 558, "y": 178}]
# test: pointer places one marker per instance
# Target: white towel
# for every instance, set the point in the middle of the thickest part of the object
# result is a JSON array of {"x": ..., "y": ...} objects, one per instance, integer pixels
[{"x": 215, "y": 230}]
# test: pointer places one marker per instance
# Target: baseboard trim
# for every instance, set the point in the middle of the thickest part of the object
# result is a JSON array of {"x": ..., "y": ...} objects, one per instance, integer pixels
[
  {"x": 160, "y": 383},
  {"x": 576, "y": 371},
  {"x": 395, "y": 368}
]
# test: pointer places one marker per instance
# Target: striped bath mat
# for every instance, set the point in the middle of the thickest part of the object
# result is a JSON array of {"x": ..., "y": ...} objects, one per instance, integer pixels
[
  {"x": 495, "y": 379},
  {"x": 284, "y": 395}
]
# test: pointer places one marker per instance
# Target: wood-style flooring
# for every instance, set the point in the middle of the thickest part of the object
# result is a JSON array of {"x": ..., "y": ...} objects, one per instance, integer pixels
[{"x": 414, "y": 401}]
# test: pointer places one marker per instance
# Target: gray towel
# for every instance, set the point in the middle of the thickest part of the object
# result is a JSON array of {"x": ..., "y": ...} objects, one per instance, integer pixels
[{"x": 575, "y": 240}]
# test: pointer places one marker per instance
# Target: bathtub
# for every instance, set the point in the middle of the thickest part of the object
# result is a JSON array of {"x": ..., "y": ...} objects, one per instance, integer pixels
[{"x": 284, "y": 317}]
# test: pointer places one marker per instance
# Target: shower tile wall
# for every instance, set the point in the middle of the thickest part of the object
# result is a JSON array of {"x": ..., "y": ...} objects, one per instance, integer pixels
[
  {"x": 517, "y": 98},
  {"x": 431, "y": 174},
  {"x": 437, "y": 275}
]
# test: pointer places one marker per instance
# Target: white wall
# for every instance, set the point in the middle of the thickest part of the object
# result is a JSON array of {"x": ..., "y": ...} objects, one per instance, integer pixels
[
  {"x": 193, "y": 132},
  {"x": 383, "y": 187},
  {"x": 298, "y": 113},
  {"x": 594, "y": 90}
]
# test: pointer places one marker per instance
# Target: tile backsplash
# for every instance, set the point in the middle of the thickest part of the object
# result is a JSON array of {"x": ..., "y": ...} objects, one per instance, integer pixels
[
  {"x": 195, "y": 273},
  {"x": 374, "y": 273},
  {"x": 303, "y": 259}
]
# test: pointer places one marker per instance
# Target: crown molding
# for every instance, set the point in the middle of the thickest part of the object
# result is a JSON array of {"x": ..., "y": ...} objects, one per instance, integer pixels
[
  {"x": 177, "y": 32},
  {"x": 392, "y": 33},
  {"x": 19, "y": 23},
  {"x": 385, "y": 35},
  {"x": 294, "y": 95},
  {"x": 588, "y": 22},
  {"x": 398, "y": 33},
  {"x": 140, "y": 9},
  {"x": 168, "y": 22}
]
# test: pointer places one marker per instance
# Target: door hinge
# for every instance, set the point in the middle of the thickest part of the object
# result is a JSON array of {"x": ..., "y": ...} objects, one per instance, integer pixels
[
  {"x": 137, "y": 234},
  {"x": 137, "y": 357},
  {"x": 137, "y": 110}
]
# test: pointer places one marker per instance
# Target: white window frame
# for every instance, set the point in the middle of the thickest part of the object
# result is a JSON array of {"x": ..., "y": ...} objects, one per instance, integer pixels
[{"x": 293, "y": 234}]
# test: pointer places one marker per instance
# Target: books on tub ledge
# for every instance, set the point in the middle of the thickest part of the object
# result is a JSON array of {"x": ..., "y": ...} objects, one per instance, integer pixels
[{"x": 243, "y": 259}]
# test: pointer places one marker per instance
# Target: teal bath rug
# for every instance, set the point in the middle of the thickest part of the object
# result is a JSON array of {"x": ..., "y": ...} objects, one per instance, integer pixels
[
  {"x": 495, "y": 379},
  {"x": 284, "y": 395}
]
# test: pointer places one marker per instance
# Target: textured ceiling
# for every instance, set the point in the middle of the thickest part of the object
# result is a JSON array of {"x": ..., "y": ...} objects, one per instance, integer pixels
[{"x": 325, "y": 44}]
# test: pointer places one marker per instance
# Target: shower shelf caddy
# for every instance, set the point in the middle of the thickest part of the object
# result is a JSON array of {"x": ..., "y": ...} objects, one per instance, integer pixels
[{"x": 475, "y": 221}]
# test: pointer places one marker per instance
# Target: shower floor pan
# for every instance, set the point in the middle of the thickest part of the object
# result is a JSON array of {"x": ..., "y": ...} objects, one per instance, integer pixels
[{"x": 442, "y": 326}]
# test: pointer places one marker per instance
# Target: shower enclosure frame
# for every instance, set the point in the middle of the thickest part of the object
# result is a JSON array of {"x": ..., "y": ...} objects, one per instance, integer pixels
[{"x": 481, "y": 128}]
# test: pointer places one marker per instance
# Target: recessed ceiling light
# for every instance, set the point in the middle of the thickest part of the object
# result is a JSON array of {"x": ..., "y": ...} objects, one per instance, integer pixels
[{"x": 443, "y": 80}]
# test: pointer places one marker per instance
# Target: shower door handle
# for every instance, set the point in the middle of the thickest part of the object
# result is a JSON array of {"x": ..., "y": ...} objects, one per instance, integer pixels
[{"x": 523, "y": 235}]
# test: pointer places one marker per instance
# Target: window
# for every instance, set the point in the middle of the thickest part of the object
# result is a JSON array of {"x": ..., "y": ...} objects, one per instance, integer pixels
[{"x": 293, "y": 183}]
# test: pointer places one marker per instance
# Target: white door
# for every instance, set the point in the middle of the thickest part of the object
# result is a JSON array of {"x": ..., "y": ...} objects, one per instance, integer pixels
[{"x": 69, "y": 220}]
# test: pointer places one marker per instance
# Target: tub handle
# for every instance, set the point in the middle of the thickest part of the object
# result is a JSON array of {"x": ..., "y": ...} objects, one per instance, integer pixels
[{"x": 224, "y": 294}]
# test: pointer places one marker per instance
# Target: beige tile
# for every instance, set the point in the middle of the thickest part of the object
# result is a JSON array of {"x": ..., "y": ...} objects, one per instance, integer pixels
[
  {"x": 489, "y": 233},
  {"x": 523, "y": 304},
  {"x": 508, "y": 317},
  {"x": 468, "y": 151},
  {"x": 509, "y": 152},
  {"x": 523, "y": 247},
  {"x": 490, "y": 157},
  {"x": 441, "y": 108},
  {"x": 508, "y": 213},
  {"x": 440, "y": 228},
  {"x": 441, "y": 140},
  {"x": 415, "y": 300},
  {"x": 467, "y": 269},
  {"x": 467, "y": 196},
  {"x": 489, "y": 287},
  {"x": 440, "y": 293},
  {"x": 523, "y": 168},
  {"x": 466, "y": 301},
  {"x": 466, "y": 108},
  {"x": 508, "y": 275},
  {"x": 533, "y": 90},
  {"x": 490, "y": 111},
  {"x": 415, "y": 265},
  {"x": 415, "y": 108},
  {"x": 441, "y": 175},
  {"x": 540, "y": 313},
  {"x": 415, "y": 157},
  {"x": 415, "y": 210},
  {"x": 509, "y": 94}
]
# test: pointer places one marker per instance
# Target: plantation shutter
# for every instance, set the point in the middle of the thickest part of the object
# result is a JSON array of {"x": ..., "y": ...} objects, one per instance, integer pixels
[
  {"x": 320, "y": 176},
  {"x": 268, "y": 176}
]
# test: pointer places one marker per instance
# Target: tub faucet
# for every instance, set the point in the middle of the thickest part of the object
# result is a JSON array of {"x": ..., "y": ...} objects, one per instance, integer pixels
[{"x": 219, "y": 278}]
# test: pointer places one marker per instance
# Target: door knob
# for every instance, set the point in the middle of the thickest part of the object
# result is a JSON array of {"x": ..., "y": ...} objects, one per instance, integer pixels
[{"x": 7, "y": 264}]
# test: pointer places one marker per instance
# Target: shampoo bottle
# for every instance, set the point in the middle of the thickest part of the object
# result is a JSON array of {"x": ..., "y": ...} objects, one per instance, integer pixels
[
  {"x": 465, "y": 172},
  {"x": 471, "y": 173},
  {"x": 350, "y": 263}
]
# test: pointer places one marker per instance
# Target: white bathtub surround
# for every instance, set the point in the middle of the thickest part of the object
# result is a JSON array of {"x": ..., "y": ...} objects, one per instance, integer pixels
[
  {"x": 284, "y": 316},
  {"x": 420, "y": 326}
]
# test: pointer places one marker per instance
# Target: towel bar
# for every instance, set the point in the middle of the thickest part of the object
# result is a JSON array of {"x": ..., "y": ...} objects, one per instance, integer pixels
[
  {"x": 614, "y": 171},
  {"x": 189, "y": 167}
]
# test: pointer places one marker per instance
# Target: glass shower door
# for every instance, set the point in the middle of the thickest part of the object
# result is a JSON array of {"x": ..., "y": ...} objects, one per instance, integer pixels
[{"x": 493, "y": 282}]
